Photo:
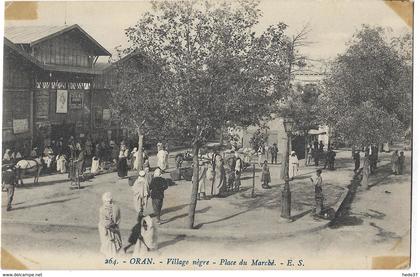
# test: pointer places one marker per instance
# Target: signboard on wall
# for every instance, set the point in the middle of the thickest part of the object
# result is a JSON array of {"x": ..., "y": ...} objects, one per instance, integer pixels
[
  {"x": 62, "y": 98},
  {"x": 106, "y": 114},
  {"x": 20, "y": 126},
  {"x": 42, "y": 101},
  {"x": 76, "y": 100}
]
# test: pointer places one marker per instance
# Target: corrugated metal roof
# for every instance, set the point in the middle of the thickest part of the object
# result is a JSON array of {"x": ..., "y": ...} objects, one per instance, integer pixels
[
  {"x": 36, "y": 34},
  {"x": 30, "y": 34}
]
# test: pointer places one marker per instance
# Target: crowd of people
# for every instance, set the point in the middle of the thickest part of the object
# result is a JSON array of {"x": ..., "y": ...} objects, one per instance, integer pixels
[
  {"x": 216, "y": 179},
  {"x": 371, "y": 159}
]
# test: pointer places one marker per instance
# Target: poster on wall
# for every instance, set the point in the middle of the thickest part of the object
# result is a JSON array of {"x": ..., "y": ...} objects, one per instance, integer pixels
[
  {"x": 62, "y": 98},
  {"x": 20, "y": 126},
  {"x": 41, "y": 104},
  {"x": 106, "y": 114},
  {"x": 76, "y": 100}
]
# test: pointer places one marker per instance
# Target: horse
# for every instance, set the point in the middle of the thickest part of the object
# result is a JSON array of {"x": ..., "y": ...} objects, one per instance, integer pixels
[{"x": 32, "y": 166}]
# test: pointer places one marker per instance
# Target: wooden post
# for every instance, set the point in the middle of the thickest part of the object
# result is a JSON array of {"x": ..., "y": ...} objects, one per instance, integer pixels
[{"x": 253, "y": 181}]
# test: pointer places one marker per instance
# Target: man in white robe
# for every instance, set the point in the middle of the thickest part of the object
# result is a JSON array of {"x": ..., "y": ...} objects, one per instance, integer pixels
[
  {"x": 141, "y": 192},
  {"x": 162, "y": 157},
  {"x": 293, "y": 165}
]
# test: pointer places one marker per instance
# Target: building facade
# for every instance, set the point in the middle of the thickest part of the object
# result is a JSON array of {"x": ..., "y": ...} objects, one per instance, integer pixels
[{"x": 49, "y": 86}]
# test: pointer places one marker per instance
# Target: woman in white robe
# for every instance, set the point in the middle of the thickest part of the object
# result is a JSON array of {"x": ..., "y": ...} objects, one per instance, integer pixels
[
  {"x": 202, "y": 181},
  {"x": 94, "y": 169},
  {"x": 61, "y": 163},
  {"x": 148, "y": 239}
]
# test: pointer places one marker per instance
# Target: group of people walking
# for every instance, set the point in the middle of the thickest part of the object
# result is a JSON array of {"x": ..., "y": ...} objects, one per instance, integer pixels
[
  {"x": 266, "y": 151},
  {"x": 217, "y": 180},
  {"x": 371, "y": 159},
  {"x": 148, "y": 185}
]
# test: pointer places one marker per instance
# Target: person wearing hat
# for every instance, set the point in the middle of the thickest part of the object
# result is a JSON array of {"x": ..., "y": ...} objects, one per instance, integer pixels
[
  {"x": 141, "y": 192},
  {"x": 108, "y": 226},
  {"x": 293, "y": 165},
  {"x": 9, "y": 183},
  {"x": 157, "y": 189}
]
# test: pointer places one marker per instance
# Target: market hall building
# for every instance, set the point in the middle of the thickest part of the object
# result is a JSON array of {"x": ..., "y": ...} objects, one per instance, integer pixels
[{"x": 52, "y": 87}]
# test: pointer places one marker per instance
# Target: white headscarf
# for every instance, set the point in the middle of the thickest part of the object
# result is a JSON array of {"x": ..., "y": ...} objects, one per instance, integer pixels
[
  {"x": 157, "y": 173},
  {"x": 107, "y": 197}
]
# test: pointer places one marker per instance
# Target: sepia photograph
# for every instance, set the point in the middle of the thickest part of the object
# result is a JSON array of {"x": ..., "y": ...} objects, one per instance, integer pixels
[{"x": 207, "y": 135}]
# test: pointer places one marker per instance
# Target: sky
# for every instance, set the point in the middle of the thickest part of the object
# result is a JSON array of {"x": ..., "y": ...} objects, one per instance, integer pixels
[{"x": 332, "y": 22}]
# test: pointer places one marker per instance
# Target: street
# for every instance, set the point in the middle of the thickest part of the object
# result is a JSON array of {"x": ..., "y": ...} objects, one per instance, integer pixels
[{"x": 50, "y": 220}]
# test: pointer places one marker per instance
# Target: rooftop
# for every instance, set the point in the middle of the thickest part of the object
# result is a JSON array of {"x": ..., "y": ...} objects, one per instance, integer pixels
[{"x": 33, "y": 35}]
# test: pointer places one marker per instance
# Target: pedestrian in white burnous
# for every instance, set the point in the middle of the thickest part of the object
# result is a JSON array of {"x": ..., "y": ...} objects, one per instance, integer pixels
[
  {"x": 293, "y": 165},
  {"x": 108, "y": 226},
  {"x": 162, "y": 157},
  {"x": 148, "y": 237},
  {"x": 141, "y": 192}
]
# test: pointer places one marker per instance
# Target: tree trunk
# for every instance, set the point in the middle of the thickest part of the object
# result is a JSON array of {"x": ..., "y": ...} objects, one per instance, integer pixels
[
  {"x": 306, "y": 148},
  {"x": 221, "y": 136},
  {"x": 140, "y": 150},
  {"x": 194, "y": 191}
]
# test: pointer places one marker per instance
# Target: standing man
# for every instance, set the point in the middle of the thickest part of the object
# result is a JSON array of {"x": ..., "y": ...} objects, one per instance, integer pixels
[
  {"x": 238, "y": 171},
  {"x": 309, "y": 154},
  {"x": 267, "y": 149},
  {"x": 356, "y": 158},
  {"x": 401, "y": 160},
  {"x": 319, "y": 197},
  {"x": 81, "y": 161},
  {"x": 141, "y": 192},
  {"x": 162, "y": 156},
  {"x": 157, "y": 190},
  {"x": 274, "y": 151},
  {"x": 293, "y": 165},
  {"x": 321, "y": 146},
  {"x": 9, "y": 182},
  {"x": 394, "y": 162}
]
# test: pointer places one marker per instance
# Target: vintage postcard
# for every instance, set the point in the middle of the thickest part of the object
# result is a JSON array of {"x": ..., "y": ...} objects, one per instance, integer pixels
[{"x": 200, "y": 135}]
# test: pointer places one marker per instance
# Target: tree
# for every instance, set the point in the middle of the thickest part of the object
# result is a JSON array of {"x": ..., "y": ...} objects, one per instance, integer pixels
[
  {"x": 134, "y": 96},
  {"x": 215, "y": 68},
  {"x": 367, "y": 95},
  {"x": 259, "y": 138},
  {"x": 304, "y": 109}
]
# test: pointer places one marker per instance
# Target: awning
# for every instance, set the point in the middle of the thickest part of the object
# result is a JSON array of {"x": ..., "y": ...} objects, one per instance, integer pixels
[{"x": 317, "y": 132}]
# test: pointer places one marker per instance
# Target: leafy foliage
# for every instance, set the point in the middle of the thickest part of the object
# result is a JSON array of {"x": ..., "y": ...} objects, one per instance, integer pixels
[
  {"x": 258, "y": 139},
  {"x": 368, "y": 93},
  {"x": 216, "y": 70}
]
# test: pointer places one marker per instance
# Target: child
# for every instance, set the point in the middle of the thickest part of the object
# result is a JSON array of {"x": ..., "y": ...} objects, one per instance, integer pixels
[{"x": 265, "y": 175}]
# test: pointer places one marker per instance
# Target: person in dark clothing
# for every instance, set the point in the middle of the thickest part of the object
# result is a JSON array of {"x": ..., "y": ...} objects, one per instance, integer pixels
[
  {"x": 157, "y": 190},
  {"x": 316, "y": 156},
  {"x": 274, "y": 150},
  {"x": 401, "y": 159},
  {"x": 315, "y": 145},
  {"x": 9, "y": 183},
  {"x": 356, "y": 158},
  {"x": 321, "y": 146},
  {"x": 135, "y": 233}
]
